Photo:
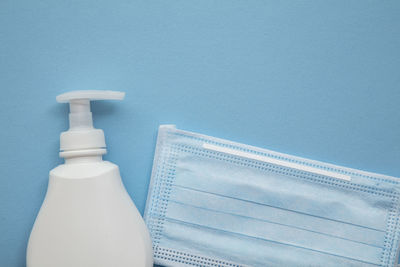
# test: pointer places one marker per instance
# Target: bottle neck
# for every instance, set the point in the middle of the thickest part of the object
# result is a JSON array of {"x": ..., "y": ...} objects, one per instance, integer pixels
[
  {"x": 83, "y": 156},
  {"x": 87, "y": 159}
]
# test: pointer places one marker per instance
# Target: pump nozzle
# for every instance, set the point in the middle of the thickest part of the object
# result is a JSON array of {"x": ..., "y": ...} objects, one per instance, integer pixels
[{"x": 81, "y": 134}]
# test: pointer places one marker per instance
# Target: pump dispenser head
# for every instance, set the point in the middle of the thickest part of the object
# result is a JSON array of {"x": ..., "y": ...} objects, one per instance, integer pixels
[{"x": 81, "y": 135}]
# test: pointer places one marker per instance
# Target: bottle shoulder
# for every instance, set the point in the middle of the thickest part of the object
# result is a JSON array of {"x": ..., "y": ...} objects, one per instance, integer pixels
[{"x": 83, "y": 170}]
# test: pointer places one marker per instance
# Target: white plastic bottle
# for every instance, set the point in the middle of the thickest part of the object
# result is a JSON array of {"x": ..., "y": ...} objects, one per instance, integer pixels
[{"x": 87, "y": 218}]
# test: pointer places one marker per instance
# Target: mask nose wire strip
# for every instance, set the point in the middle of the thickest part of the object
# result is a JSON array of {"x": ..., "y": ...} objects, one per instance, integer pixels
[{"x": 270, "y": 160}]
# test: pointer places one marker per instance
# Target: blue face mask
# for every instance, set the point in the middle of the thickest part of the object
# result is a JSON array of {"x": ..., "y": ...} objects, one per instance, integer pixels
[{"x": 213, "y": 202}]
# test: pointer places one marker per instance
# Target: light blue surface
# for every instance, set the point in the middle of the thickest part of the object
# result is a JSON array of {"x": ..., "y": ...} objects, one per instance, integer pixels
[{"x": 318, "y": 79}]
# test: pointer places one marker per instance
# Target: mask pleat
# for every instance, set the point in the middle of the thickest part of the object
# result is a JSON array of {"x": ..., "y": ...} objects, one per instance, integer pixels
[
  {"x": 219, "y": 244},
  {"x": 257, "y": 211},
  {"x": 281, "y": 187}
]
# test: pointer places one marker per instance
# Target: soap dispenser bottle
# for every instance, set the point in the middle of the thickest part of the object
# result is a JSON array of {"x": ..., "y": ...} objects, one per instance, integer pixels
[{"x": 87, "y": 218}]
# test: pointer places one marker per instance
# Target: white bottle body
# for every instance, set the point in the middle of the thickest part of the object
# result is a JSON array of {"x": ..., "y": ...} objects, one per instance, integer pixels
[{"x": 88, "y": 220}]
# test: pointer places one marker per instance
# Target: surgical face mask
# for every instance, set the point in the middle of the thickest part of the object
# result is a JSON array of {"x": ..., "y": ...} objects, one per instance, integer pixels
[{"x": 213, "y": 202}]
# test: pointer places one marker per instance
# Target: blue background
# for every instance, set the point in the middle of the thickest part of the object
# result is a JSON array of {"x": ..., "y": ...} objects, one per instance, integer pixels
[{"x": 318, "y": 79}]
